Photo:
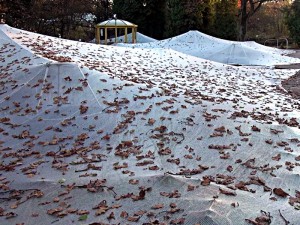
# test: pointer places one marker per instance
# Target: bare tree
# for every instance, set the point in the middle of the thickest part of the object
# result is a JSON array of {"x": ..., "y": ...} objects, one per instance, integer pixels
[{"x": 247, "y": 9}]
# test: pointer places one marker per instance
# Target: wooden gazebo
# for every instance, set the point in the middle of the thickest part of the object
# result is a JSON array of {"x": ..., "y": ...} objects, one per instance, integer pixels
[{"x": 115, "y": 24}]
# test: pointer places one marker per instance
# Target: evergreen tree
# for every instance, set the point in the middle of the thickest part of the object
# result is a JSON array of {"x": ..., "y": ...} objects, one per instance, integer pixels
[
  {"x": 73, "y": 19},
  {"x": 149, "y": 15},
  {"x": 225, "y": 25},
  {"x": 185, "y": 15},
  {"x": 293, "y": 20},
  {"x": 19, "y": 13},
  {"x": 208, "y": 15},
  {"x": 175, "y": 18}
]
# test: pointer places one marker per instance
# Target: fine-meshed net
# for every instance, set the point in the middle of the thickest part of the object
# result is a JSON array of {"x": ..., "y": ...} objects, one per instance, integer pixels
[{"x": 195, "y": 143}]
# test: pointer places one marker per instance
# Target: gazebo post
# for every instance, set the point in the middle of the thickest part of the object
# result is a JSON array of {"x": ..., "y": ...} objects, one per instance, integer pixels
[
  {"x": 132, "y": 32},
  {"x": 135, "y": 34},
  {"x": 126, "y": 35},
  {"x": 97, "y": 35},
  {"x": 116, "y": 34},
  {"x": 105, "y": 35}
]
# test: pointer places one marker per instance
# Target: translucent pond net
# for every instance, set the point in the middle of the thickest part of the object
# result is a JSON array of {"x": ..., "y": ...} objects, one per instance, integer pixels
[{"x": 83, "y": 147}]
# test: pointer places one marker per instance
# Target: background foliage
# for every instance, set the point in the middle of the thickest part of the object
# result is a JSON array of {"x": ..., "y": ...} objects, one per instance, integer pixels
[
  {"x": 269, "y": 22},
  {"x": 167, "y": 18},
  {"x": 227, "y": 19},
  {"x": 293, "y": 20}
]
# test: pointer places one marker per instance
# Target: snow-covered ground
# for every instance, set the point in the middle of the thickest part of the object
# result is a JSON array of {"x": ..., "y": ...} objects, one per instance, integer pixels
[
  {"x": 204, "y": 46},
  {"x": 93, "y": 134}
]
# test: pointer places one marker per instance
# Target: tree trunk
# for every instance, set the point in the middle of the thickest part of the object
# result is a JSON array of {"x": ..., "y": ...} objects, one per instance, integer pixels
[
  {"x": 62, "y": 28},
  {"x": 243, "y": 29},
  {"x": 244, "y": 18}
]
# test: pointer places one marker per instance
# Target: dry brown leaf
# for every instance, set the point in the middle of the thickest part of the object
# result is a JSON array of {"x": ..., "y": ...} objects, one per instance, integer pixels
[
  {"x": 255, "y": 128},
  {"x": 101, "y": 210},
  {"x": 229, "y": 168},
  {"x": 111, "y": 216},
  {"x": 55, "y": 210},
  {"x": 153, "y": 167},
  {"x": 14, "y": 206},
  {"x": 124, "y": 214},
  {"x": 227, "y": 192},
  {"x": 280, "y": 192},
  {"x": 71, "y": 210},
  {"x": 205, "y": 181},
  {"x": 56, "y": 199},
  {"x": 82, "y": 212},
  {"x": 277, "y": 157},
  {"x": 173, "y": 205},
  {"x": 157, "y": 206},
  {"x": 133, "y": 181},
  {"x": 151, "y": 121},
  {"x": 133, "y": 218},
  {"x": 177, "y": 221},
  {"x": 191, "y": 187},
  {"x": 83, "y": 109}
]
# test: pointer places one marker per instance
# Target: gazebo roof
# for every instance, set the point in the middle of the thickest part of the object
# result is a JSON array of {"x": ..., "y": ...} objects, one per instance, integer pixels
[{"x": 115, "y": 23}]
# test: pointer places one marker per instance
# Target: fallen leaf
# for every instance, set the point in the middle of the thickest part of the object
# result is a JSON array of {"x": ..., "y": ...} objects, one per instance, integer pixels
[
  {"x": 124, "y": 214},
  {"x": 53, "y": 211},
  {"x": 226, "y": 192},
  {"x": 111, "y": 216},
  {"x": 133, "y": 181},
  {"x": 157, "y": 206},
  {"x": 10, "y": 215},
  {"x": 83, "y": 217},
  {"x": 151, "y": 121},
  {"x": 177, "y": 221},
  {"x": 191, "y": 187},
  {"x": 133, "y": 218},
  {"x": 142, "y": 194},
  {"x": 205, "y": 181},
  {"x": 14, "y": 206},
  {"x": 101, "y": 210},
  {"x": 255, "y": 128},
  {"x": 173, "y": 205},
  {"x": 280, "y": 192},
  {"x": 277, "y": 157},
  {"x": 229, "y": 168},
  {"x": 82, "y": 212}
]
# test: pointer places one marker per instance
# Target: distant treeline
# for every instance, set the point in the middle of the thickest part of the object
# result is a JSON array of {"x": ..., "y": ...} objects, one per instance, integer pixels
[
  {"x": 227, "y": 19},
  {"x": 162, "y": 19}
]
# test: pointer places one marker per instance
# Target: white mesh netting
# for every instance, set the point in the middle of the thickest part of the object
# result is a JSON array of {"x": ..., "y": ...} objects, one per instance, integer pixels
[{"x": 133, "y": 136}]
